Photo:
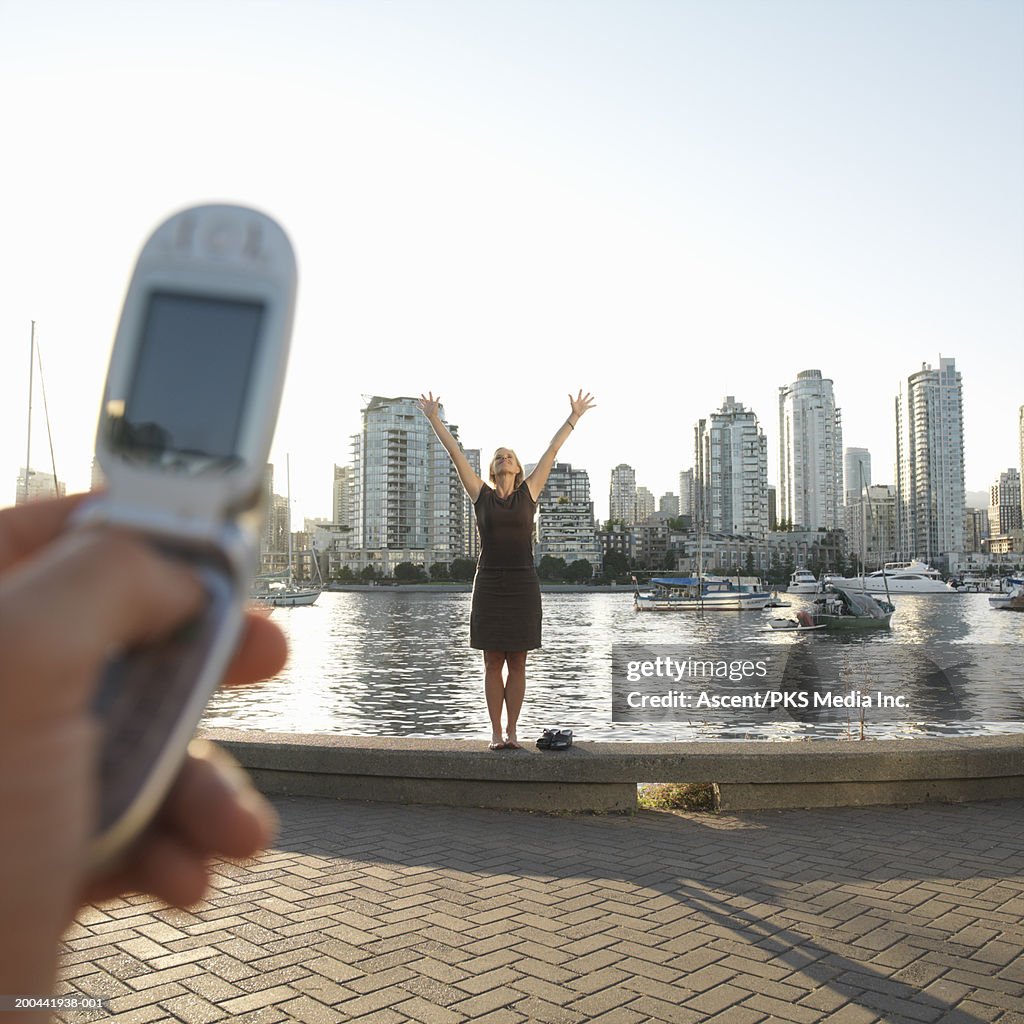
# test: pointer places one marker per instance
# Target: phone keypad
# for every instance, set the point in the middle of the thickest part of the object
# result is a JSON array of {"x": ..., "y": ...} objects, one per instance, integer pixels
[{"x": 143, "y": 695}]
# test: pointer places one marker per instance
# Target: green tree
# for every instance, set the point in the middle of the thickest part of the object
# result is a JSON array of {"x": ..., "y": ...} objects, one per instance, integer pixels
[
  {"x": 368, "y": 573},
  {"x": 462, "y": 569},
  {"x": 616, "y": 565},
  {"x": 409, "y": 572},
  {"x": 579, "y": 571},
  {"x": 551, "y": 568},
  {"x": 439, "y": 571}
]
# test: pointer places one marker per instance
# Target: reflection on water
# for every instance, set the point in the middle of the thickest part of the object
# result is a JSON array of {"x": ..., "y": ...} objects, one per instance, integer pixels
[{"x": 392, "y": 663}]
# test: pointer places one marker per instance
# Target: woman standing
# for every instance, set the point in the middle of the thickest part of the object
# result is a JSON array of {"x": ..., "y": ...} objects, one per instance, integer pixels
[{"x": 505, "y": 620}]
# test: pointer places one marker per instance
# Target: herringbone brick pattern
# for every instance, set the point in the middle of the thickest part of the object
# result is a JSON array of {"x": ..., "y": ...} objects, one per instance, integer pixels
[{"x": 386, "y": 914}]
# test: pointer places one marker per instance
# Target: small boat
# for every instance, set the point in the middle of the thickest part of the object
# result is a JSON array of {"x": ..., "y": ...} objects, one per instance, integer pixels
[
  {"x": 279, "y": 590},
  {"x": 842, "y": 609},
  {"x": 913, "y": 577},
  {"x": 803, "y": 582},
  {"x": 803, "y": 623},
  {"x": 971, "y": 583},
  {"x": 696, "y": 593},
  {"x": 284, "y": 595},
  {"x": 1013, "y": 601}
]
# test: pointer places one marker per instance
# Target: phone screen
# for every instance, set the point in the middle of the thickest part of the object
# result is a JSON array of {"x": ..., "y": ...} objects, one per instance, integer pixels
[{"x": 191, "y": 377}]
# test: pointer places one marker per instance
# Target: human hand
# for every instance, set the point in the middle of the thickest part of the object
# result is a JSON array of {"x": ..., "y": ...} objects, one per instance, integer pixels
[
  {"x": 67, "y": 599},
  {"x": 430, "y": 406},
  {"x": 581, "y": 403}
]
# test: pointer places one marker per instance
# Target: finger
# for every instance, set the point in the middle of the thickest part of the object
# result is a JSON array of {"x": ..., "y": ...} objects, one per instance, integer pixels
[
  {"x": 161, "y": 866},
  {"x": 214, "y": 808},
  {"x": 212, "y": 811},
  {"x": 26, "y": 528},
  {"x": 262, "y": 653},
  {"x": 105, "y": 591}
]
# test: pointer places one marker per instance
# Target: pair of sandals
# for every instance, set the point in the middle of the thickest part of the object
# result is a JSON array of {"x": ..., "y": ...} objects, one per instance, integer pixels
[
  {"x": 505, "y": 745},
  {"x": 555, "y": 739}
]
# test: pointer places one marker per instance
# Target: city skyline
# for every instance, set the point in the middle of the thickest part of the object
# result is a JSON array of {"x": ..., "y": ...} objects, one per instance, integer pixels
[
  {"x": 402, "y": 505},
  {"x": 327, "y": 514},
  {"x": 664, "y": 203}
]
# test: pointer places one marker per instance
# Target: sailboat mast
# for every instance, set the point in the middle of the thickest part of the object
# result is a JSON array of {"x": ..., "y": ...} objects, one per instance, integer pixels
[
  {"x": 288, "y": 479},
  {"x": 865, "y": 500},
  {"x": 31, "y": 367}
]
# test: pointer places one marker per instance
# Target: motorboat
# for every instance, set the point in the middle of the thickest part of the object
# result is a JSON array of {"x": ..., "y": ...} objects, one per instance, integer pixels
[
  {"x": 1011, "y": 601},
  {"x": 971, "y": 583},
  {"x": 803, "y": 582},
  {"x": 803, "y": 623},
  {"x": 913, "y": 577},
  {"x": 697, "y": 593},
  {"x": 840, "y": 610}
]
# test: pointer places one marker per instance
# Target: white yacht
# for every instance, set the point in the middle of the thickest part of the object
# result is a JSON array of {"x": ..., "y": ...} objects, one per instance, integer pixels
[
  {"x": 802, "y": 582},
  {"x": 913, "y": 577}
]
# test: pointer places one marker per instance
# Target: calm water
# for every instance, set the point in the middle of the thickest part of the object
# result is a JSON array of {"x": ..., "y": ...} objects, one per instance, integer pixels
[{"x": 399, "y": 664}]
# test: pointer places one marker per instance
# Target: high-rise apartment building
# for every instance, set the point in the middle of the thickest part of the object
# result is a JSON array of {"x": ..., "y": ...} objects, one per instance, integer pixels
[
  {"x": 622, "y": 495},
  {"x": 1004, "y": 512},
  {"x": 856, "y": 481},
  {"x": 668, "y": 505},
  {"x": 1020, "y": 430},
  {"x": 565, "y": 518},
  {"x": 470, "y": 533},
  {"x": 871, "y": 525},
  {"x": 407, "y": 493},
  {"x": 645, "y": 505},
  {"x": 975, "y": 530},
  {"x": 343, "y": 497},
  {"x": 930, "y": 493},
  {"x": 276, "y": 526},
  {"x": 856, "y": 473},
  {"x": 38, "y": 487},
  {"x": 731, "y": 474},
  {"x": 686, "y": 493},
  {"x": 810, "y": 453}
]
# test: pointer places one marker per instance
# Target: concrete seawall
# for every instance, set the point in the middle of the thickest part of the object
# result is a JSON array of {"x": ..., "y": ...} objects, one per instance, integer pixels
[{"x": 604, "y": 776}]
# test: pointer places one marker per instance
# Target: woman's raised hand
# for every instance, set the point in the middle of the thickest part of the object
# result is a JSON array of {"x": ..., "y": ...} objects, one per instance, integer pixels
[
  {"x": 581, "y": 403},
  {"x": 429, "y": 405}
]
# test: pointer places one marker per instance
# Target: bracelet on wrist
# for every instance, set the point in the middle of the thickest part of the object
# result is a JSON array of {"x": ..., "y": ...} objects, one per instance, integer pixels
[{"x": 572, "y": 426}]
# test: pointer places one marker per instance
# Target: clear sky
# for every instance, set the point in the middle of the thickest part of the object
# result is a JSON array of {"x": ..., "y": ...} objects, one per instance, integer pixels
[{"x": 503, "y": 200}]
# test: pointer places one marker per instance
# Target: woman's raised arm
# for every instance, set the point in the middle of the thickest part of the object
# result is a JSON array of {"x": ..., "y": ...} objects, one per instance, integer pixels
[
  {"x": 431, "y": 408},
  {"x": 539, "y": 477}
]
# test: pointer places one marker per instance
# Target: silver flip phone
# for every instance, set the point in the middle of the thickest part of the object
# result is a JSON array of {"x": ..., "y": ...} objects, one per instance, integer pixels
[{"x": 188, "y": 414}]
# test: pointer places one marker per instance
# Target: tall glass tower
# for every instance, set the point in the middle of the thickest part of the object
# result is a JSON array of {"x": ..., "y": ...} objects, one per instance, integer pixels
[
  {"x": 930, "y": 494},
  {"x": 622, "y": 494},
  {"x": 406, "y": 490},
  {"x": 810, "y": 453},
  {"x": 731, "y": 474}
]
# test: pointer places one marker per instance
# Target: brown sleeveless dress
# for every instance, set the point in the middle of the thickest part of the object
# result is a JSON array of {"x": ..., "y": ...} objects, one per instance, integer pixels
[{"x": 506, "y": 610}]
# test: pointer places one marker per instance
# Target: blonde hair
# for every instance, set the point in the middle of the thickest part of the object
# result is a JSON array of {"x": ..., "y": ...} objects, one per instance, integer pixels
[{"x": 520, "y": 475}]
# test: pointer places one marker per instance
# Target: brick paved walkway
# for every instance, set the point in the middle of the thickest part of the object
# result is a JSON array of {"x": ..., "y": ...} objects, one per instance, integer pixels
[{"x": 385, "y": 914}]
